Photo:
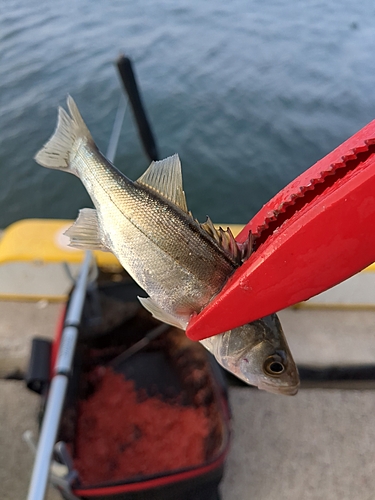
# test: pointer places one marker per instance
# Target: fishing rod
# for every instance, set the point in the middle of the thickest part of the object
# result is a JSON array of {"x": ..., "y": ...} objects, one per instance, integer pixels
[
  {"x": 59, "y": 384},
  {"x": 129, "y": 82}
]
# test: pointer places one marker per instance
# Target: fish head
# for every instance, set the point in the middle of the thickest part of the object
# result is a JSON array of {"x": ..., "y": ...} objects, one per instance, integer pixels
[
  {"x": 258, "y": 354},
  {"x": 270, "y": 370}
]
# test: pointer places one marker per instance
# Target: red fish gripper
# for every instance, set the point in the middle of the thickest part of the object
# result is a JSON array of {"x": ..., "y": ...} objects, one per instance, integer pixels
[{"x": 316, "y": 232}]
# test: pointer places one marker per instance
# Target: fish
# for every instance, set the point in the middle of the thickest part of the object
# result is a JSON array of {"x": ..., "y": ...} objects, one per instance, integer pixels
[
  {"x": 180, "y": 263},
  {"x": 258, "y": 354}
]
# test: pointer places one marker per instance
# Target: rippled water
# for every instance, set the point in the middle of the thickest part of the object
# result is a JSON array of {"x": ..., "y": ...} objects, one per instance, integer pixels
[{"x": 248, "y": 93}]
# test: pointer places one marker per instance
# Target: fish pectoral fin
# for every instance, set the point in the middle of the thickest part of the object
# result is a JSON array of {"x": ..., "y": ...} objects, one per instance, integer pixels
[
  {"x": 85, "y": 233},
  {"x": 160, "y": 314},
  {"x": 165, "y": 177}
]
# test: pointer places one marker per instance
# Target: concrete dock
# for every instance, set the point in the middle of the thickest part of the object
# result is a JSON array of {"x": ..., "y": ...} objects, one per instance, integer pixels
[{"x": 318, "y": 444}]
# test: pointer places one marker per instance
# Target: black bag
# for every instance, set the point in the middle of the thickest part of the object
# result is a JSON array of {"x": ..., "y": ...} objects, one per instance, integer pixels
[{"x": 171, "y": 372}]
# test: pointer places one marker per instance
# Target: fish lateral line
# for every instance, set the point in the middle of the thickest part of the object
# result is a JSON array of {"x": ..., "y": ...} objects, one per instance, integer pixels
[
  {"x": 162, "y": 177},
  {"x": 186, "y": 219}
]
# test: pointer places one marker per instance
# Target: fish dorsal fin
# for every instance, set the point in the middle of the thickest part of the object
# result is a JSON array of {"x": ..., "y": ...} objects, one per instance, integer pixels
[
  {"x": 211, "y": 229},
  {"x": 239, "y": 251},
  {"x": 165, "y": 177}
]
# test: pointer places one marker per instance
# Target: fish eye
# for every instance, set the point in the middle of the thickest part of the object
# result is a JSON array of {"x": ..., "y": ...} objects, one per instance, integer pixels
[{"x": 273, "y": 366}]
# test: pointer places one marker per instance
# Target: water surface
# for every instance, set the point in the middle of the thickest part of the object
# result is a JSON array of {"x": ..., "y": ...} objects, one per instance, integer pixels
[{"x": 248, "y": 93}]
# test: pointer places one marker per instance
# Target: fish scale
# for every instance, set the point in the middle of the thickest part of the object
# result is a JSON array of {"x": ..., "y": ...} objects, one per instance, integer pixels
[
  {"x": 164, "y": 225},
  {"x": 178, "y": 264}
]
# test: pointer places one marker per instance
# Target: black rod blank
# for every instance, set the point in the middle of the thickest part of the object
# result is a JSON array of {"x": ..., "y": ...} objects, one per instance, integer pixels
[{"x": 127, "y": 75}]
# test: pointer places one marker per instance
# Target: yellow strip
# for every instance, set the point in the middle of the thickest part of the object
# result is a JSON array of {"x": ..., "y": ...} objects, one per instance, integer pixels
[
  {"x": 42, "y": 240},
  {"x": 337, "y": 307},
  {"x": 32, "y": 298}
]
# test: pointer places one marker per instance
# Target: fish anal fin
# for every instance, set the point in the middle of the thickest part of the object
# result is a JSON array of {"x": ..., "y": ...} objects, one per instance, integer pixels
[
  {"x": 85, "y": 233},
  {"x": 160, "y": 314},
  {"x": 165, "y": 177}
]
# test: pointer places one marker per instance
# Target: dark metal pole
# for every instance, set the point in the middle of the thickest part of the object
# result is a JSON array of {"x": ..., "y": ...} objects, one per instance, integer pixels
[{"x": 127, "y": 75}]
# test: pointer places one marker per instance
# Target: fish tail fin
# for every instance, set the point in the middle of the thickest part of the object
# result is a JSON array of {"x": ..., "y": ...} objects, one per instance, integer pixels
[{"x": 63, "y": 144}]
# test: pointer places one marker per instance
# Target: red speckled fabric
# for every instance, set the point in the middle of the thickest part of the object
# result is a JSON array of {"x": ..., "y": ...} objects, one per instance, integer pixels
[{"x": 135, "y": 435}]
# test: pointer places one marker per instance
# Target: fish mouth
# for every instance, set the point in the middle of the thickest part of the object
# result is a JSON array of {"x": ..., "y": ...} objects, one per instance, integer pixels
[
  {"x": 286, "y": 390},
  {"x": 290, "y": 391}
]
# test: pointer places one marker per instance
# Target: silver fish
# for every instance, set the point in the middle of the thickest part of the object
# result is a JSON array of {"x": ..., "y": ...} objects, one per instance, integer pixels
[
  {"x": 258, "y": 354},
  {"x": 180, "y": 263}
]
